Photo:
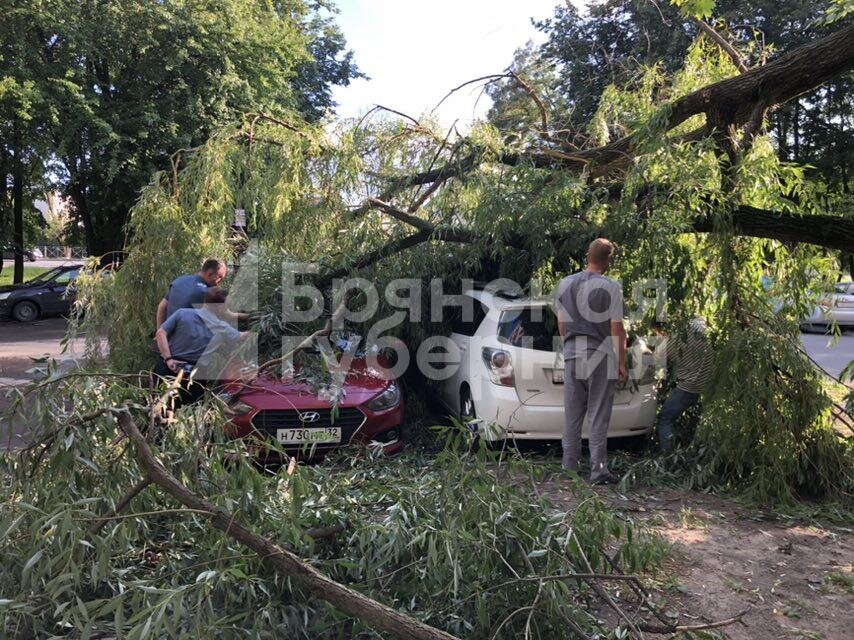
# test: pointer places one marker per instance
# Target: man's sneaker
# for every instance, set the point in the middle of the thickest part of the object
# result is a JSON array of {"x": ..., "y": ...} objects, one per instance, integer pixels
[
  {"x": 567, "y": 463},
  {"x": 608, "y": 478}
]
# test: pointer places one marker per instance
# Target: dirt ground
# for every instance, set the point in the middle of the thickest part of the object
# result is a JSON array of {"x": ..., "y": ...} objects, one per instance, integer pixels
[{"x": 797, "y": 579}]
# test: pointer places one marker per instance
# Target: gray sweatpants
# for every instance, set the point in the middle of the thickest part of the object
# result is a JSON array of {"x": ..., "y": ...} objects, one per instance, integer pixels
[{"x": 589, "y": 379}]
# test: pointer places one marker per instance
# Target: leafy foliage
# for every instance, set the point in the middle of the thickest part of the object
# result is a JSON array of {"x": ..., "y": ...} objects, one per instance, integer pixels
[
  {"x": 584, "y": 53},
  {"x": 450, "y": 540}
]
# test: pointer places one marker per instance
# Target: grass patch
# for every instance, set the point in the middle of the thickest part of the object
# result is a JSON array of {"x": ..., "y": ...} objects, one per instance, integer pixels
[
  {"x": 842, "y": 580},
  {"x": 9, "y": 270}
]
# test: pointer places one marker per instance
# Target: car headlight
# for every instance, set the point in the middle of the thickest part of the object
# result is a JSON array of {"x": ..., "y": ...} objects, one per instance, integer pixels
[
  {"x": 239, "y": 408},
  {"x": 385, "y": 400},
  {"x": 3, "y": 296}
]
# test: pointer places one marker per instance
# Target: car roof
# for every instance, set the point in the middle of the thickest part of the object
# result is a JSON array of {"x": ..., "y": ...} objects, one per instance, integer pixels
[{"x": 495, "y": 301}]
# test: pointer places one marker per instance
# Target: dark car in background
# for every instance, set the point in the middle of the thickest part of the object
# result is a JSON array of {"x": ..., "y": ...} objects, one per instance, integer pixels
[{"x": 49, "y": 293}]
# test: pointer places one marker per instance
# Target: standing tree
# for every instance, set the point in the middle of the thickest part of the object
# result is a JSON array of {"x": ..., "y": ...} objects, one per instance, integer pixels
[{"x": 127, "y": 84}]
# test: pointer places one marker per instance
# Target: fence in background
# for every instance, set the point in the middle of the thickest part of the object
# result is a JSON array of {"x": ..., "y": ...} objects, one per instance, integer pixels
[{"x": 54, "y": 251}]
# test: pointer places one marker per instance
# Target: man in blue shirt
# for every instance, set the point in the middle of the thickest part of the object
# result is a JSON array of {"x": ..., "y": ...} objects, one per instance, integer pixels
[
  {"x": 188, "y": 291},
  {"x": 200, "y": 339}
]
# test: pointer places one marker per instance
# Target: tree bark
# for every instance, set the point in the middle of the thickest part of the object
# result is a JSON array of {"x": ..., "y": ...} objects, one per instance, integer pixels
[
  {"x": 18, "y": 207},
  {"x": 351, "y": 602},
  {"x": 4, "y": 203},
  {"x": 831, "y": 232},
  {"x": 82, "y": 207}
]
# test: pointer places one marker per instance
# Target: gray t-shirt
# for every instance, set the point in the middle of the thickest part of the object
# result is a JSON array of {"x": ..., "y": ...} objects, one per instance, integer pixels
[
  {"x": 185, "y": 292},
  {"x": 591, "y": 303},
  {"x": 189, "y": 331}
]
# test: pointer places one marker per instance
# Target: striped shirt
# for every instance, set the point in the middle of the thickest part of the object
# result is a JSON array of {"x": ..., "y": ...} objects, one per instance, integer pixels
[{"x": 692, "y": 357}]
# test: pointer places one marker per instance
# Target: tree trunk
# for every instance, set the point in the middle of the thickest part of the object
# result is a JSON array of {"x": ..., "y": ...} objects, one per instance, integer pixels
[
  {"x": 18, "y": 214},
  {"x": 796, "y": 130},
  {"x": 78, "y": 196},
  {"x": 4, "y": 203},
  {"x": 831, "y": 232}
]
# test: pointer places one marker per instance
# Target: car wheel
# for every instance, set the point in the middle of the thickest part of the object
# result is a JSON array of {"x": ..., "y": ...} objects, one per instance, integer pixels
[
  {"x": 25, "y": 311},
  {"x": 467, "y": 410},
  {"x": 810, "y": 327}
]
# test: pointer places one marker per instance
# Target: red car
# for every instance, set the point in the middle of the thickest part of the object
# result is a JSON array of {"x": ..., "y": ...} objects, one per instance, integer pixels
[{"x": 307, "y": 426}]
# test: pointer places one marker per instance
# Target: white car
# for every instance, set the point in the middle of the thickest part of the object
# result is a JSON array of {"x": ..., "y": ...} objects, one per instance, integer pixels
[
  {"x": 510, "y": 374},
  {"x": 837, "y": 307}
]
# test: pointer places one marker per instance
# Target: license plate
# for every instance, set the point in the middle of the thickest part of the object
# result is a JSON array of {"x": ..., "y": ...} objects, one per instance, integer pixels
[
  {"x": 557, "y": 376},
  {"x": 309, "y": 436}
]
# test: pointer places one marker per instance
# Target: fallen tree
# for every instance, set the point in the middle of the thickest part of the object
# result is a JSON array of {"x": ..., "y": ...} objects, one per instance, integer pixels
[{"x": 678, "y": 172}]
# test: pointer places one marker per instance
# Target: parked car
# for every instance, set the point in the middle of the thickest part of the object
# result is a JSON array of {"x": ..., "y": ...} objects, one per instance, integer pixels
[
  {"x": 510, "y": 378},
  {"x": 31, "y": 255},
  {"x": 836, "y": 307},
  {"x": 49, "y": 293},
  {"x": 306, "y": 425}
]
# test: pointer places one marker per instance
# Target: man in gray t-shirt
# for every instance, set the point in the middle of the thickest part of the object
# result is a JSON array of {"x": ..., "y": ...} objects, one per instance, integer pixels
[
  {"x": 590, "y": 310},
  {"x": 188, "y": 291}
]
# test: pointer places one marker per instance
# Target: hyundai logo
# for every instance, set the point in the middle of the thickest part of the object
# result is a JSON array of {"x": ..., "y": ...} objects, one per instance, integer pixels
[{"x": 309, "y": 416}]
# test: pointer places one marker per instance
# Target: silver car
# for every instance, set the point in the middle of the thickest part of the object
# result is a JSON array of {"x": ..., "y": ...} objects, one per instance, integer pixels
[{"x": 836, "y": 307}]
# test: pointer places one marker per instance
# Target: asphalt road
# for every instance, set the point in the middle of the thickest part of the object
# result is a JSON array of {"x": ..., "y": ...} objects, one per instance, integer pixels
[
  {"x": 19, "y": 343},
  {"x": 831, "y": 357}
]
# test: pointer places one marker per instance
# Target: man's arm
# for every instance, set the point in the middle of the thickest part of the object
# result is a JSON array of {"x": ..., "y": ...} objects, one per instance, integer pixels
[
  {"x": 161, "y": 337},
  {"x": 163, "y": 347},
  {"x": 560, "y": 313},
  {"x": 161, "y": 312},
  {"x": 618, "y": 332},
  {"x": 234, "y": 317},
  {"x": 618, "y": 335}
]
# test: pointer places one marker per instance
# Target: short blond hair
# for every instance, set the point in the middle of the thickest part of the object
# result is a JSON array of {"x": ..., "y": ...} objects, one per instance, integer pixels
[{"x": 600, "y": 252}]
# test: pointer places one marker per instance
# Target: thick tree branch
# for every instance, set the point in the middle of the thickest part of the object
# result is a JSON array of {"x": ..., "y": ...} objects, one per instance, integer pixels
[
  {"x": 351, "y": 602},
  {"x": 831, "y": 232},
  {"x": 402, "y": 216}
]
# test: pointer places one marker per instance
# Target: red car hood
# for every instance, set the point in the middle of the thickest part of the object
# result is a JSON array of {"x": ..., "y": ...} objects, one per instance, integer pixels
[{"x": 268, "y": 392}]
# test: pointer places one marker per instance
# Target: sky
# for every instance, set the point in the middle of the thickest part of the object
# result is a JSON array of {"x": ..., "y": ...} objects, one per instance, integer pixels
[{"x": 415, "y": 51}]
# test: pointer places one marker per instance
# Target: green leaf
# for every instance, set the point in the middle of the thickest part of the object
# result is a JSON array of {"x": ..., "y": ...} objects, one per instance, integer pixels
[
  {"x": 32, "y": 561},
  {"x": 699, "y": 9}
]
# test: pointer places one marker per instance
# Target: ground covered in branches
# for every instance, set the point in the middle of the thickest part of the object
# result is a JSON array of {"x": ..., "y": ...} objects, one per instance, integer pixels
[{"x": 794, "y": 573}]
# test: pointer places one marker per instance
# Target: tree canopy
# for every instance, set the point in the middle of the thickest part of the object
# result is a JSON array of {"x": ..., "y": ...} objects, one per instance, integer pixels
[
  {"x": 115, "y": 88},
  {"x": 585, "y": 53}
]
